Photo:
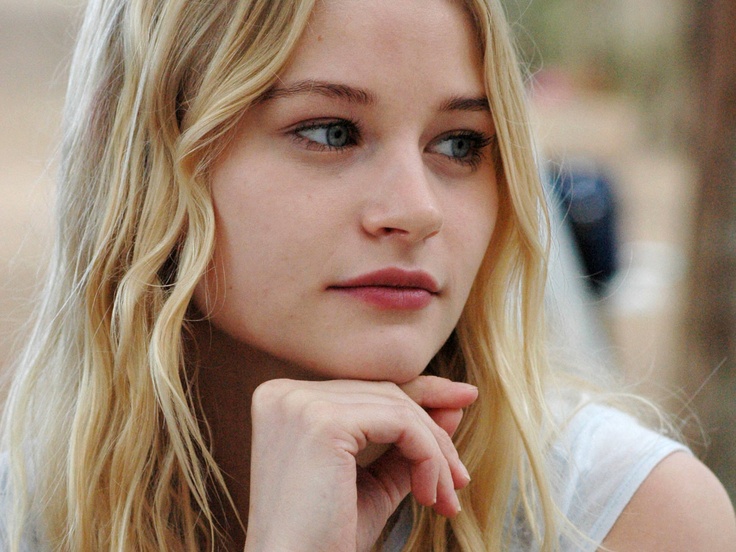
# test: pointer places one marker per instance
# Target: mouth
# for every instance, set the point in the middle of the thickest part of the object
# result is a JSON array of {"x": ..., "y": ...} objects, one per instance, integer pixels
[{"x": 391, "y": 289}]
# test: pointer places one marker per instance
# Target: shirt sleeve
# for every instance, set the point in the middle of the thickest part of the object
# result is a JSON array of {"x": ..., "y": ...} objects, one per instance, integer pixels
[{"x": 602, "y": 459}]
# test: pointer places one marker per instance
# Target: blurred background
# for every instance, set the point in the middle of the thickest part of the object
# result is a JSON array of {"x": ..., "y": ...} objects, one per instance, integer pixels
[{"x": 635, "y": 107}]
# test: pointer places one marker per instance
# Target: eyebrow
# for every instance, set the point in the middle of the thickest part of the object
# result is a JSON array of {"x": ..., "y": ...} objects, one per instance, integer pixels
[
  {"x": 330, "y": 90},
  {"x": 460, "y": 103},
  {"x": 359, "y": 96}
]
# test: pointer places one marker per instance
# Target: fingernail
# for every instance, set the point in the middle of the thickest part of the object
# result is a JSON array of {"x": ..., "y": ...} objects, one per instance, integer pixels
[
  {"x": 469, "y": 386},
  {"x": 458, "y": 508},
  {"x": 465, "y": 471}
]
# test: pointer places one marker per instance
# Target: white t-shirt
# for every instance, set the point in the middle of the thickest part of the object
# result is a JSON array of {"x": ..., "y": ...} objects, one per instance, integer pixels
[{"x": 600, "y": 461}]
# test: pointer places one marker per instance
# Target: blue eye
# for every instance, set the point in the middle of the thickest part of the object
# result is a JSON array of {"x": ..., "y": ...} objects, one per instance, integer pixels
[
  {"x": 456, "y": 146},
  {"x": 331, "y": 135},
  {"x": 463, "y": 147}
]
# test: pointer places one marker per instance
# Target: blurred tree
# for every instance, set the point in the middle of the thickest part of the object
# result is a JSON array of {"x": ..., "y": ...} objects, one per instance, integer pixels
[
  {"x": 631, "y": 47},
  {"x": 711, "y": 314}
]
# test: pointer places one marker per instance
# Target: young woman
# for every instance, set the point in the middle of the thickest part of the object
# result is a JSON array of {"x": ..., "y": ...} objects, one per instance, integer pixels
[{"x": 296, "y": 240}]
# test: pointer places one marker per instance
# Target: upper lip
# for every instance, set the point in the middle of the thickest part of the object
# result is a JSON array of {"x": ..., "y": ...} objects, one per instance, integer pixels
[{"x": 392, "y": 277}]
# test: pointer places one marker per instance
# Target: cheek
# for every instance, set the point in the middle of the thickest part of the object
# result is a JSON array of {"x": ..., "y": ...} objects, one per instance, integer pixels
[
  {"x": 477, "y": 221},
  {"x": 477, "y": 224},
  {"x": 265, "y": 249}
]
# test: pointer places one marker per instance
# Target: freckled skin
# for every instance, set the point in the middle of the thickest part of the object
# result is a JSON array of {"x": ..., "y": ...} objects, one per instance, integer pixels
[
  {"x": 362, "y": 160},
  {"x": 293, "y": 220}
]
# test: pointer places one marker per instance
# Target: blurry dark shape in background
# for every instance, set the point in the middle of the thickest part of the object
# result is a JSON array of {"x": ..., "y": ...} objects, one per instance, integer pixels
[
  {"x": 586, "y": 196},
  {"x": 676, "y": 61}
]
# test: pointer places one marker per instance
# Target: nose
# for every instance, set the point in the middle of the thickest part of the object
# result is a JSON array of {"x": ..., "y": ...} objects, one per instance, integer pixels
[{"x": 403, "y": 202}]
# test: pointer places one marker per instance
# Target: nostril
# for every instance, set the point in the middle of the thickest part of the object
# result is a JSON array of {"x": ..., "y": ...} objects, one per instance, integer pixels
[
  {"x": 394, "y": 231},
  {"x": 408, "y": 210}
]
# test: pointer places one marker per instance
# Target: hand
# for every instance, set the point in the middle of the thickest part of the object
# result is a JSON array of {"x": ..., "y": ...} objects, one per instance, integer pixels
[{"x": 307, "y": 491}]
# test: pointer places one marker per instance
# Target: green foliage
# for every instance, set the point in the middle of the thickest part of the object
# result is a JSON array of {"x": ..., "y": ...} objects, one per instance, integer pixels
[{"x": 636, "y": 46}]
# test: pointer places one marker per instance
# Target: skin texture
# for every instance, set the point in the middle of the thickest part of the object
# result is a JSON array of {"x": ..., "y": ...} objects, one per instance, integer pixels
[
  {"x": 325, "y": 425},
  {"x": 296, "y": 218},
  {"x": 371, "y": 153},
  {"x": 680, "y": 507},
  {"x": 357, "y": 161}
]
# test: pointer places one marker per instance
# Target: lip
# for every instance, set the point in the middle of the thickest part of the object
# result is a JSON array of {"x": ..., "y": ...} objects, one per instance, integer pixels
[{"x": 391, "y": 289}]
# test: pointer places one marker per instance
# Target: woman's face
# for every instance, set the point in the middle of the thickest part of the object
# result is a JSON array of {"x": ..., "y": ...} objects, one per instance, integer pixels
[{"x": 357, "y": 200}]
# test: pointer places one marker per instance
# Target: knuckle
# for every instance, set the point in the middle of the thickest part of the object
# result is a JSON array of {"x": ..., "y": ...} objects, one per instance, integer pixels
[
  {"x": 404, "y": 411},
  {"x": 269, "y": 393},
  {"x": 294, "y": 399},
  {"x": 285, "y": 401},
  {"x": 279, "y": 397},
  {"x": 262, "y": 405},
  {"x": 317, "y": 415},
  {"x": 446, "y": 444}
]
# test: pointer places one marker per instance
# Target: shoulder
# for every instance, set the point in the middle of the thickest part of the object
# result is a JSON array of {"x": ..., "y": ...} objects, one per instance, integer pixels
[
  {"x": 601, "y": 459},
  {"x": 680, "y": 506}
]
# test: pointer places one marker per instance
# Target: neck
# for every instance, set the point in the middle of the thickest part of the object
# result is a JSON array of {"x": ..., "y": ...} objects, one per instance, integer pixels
[{"x": 228, "y": 373}]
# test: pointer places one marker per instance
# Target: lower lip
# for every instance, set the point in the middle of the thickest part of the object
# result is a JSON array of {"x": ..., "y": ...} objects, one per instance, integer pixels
[{"x": 390, "y": 298}]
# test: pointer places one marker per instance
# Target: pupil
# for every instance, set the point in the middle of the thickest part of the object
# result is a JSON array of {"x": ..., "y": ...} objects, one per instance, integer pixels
[
  {"x": 337, "y": 136},
  {"x": 460, "y": 147}
]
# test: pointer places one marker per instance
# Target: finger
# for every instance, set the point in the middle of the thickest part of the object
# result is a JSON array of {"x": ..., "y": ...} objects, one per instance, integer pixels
[
  {"x": 384, "y": 484},
  {"x": 427, "y": 391},
  {"x": 389, "y": 479},
  {"x": 404, "y": 425},
  {"x": 384, "y": 419},
  {"x": 294, "y": 396},
  {"x": 447, "y": 503},
  {"x": 450, "y": 419},
  {"x": 436, "y": 392},
  {"x": 447, "y": 418},
  {"x": 434, "y": 478},
  {"x": 351, "y": 392},
  {"x": 441, "y": 423},
  {"x": 427, "y": 448}
]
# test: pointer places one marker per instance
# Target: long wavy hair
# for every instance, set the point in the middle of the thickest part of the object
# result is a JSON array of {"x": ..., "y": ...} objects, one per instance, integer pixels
[{"x": 101, "y": 425}]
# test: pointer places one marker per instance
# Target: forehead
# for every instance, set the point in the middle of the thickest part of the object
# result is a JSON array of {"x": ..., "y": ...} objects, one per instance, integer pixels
[{"x": 364, "y": 38}]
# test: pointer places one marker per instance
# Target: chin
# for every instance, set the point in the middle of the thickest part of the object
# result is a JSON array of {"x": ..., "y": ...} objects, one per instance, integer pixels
[{"x": 382, "y": 363}]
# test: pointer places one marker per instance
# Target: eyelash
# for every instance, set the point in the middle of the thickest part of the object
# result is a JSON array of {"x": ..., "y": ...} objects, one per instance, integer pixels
[
  {"x": 479, "y": 141},
  {"x": 353, "y": 127}
]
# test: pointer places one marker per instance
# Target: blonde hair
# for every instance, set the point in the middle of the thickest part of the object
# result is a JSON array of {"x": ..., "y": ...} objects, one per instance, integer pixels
[{"x": 105, "y": 447}]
